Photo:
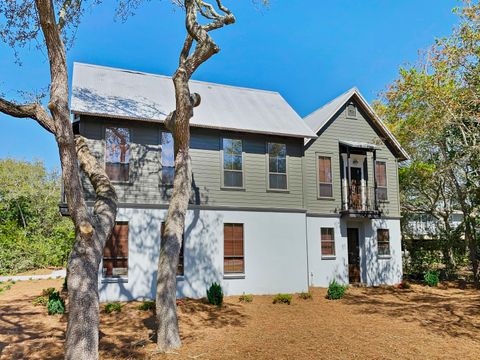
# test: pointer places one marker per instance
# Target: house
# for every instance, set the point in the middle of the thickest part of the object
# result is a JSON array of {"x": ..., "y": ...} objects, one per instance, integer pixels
[{"x": 279, "y": 203}]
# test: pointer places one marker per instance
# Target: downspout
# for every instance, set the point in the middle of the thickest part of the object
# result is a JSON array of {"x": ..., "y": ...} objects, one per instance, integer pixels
[{"x": 304, "y": 201}]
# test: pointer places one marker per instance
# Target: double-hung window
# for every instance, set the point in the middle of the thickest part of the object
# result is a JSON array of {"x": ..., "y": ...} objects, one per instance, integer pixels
[
  {"x": 115, "y": 253},
  {"x": 167, "y": 159},
  {"x": 325, "y": 184},
  {"x": 233, "y": 257},
  {"x": 381, "y": 180},
  {"x": 117, "y": 153},
  {"x": 327, "y": 242},
  {"x": 383, "y": 242},
  {"x": 232, "y": 163},
  {"x": 277, "y": 166}
]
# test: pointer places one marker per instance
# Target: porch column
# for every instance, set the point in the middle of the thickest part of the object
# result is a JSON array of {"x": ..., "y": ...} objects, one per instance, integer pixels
[
  {"x": 349, "y": 182},
  {"x": 375, "y": 179}
]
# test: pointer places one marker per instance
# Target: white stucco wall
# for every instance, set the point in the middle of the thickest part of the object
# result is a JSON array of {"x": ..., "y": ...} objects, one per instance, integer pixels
[
  {"x": 374, "y": 269},
  {"x": 274, "y": 245}
]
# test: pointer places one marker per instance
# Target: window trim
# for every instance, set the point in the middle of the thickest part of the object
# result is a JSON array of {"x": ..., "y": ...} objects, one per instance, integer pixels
[
  {"x": 317, "y": 166},
  {"x": 386, "y": 180},
  {"x": 222, "y": 159},
  {"x": 356, "y": 111},
  {"x": 234, "y": 275},
  {"x": 105, "y": 127},
  {"x": 325, "y": 256},
  {"x": 268, "y": 173},
  {"x": 384, "y": 256},
  {"x": 122, "y": 278}
]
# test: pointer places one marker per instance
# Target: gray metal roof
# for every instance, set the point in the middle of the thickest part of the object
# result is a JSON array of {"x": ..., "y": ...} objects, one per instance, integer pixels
[
  {"x": 319, "y": 118},
  {"x": 118, "y": 93}
]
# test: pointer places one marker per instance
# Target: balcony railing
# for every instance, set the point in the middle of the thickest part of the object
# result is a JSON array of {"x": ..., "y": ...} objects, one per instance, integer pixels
[{"x": 360, "y": 199}]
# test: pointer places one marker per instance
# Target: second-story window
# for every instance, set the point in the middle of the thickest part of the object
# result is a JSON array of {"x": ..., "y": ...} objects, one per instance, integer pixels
[
  {"x": 381, "y": 180},
  {"x": 325, "y": 185},
  {"x": 117, "y": 153},
  {"x": 232, "y": 163},
  {"x": 277, "y": 166},
  {"x": 167, "y": 159}
]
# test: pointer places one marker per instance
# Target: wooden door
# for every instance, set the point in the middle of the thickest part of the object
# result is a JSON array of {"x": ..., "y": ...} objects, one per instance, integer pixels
[{"x": 353, "y": 256}]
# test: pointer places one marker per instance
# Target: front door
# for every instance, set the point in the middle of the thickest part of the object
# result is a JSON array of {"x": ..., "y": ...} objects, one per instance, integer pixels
[
  {"x": 353, "y": 256},
  {"x": 356, "y": 188}
]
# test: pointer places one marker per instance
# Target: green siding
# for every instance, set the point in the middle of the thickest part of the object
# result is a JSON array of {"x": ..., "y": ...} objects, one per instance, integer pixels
[{"x": 340, "y": 128}]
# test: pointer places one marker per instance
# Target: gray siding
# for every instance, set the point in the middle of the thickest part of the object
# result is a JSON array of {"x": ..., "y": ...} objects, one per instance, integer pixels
[
  {"x": 339, "y": 128},
  {"x": 145, "y": 186}
]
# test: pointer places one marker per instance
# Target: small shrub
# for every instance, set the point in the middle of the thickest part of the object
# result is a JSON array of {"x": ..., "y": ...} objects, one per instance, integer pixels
[
  {"x": 147, "y": 306},
  {"x": 55, "y": 304},
  {"x": 335, "y": 290},
  {"x": 282, "y": 299},
  {"x": 431, "y": 278},
  {"x": 246, "y": 298},
  {"x": 305, "y": 295},
  {"x": 215, "y": 294},
  {"x": 49, "y": 291},
  {"x": 8, "y": 286},
  {"x": 111, "y": 307},
  {"x": 40, "y": 301},
  {"x": 404, "y": 285}
]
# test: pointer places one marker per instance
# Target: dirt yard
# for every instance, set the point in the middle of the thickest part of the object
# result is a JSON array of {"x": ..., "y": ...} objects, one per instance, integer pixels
[{"x": 379, "y": 323}]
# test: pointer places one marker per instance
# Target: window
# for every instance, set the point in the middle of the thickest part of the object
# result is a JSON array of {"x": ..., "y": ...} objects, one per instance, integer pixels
[
  {"x": 351, "y": 110},
  {"x": 277, "y": 166},
  {"x": 115, "y": 253},
  {"x": 383, "y": 241},
  {"x": 167, "y": 159},
  {"x": 232, "y": 163},
  {"x": 328, "y": 241},
  {"x": 233, "y": 260},
  {"x": 117, "y": 153},
  {"x": 381, "y": 180},
  {"x": 325, "y": 177},
  {"x": 181, "y": 264}
]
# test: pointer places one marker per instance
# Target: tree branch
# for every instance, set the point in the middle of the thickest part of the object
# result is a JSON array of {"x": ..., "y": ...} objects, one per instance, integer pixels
[{"x": 33, "y": 111}]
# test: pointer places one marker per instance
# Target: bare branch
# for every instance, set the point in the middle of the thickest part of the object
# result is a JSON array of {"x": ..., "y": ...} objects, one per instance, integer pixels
[{"x": 33, "y": 111}]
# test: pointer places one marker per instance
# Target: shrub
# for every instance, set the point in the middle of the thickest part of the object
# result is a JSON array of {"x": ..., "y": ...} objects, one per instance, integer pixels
[
  {"x": 246, "y": 298},
  {"x": 335, "y": 290},
  {"x": 431, "y": 278},
  {"x": 49, "y": 291},
  {"x": 40, "y": 301},
  {"x": 147, "y": 306},
  {"x": 215, "y": 294},
  {"x": 305, "y": 295},
  {"x": 55, "y": 304},
  {"x": 111, "y": 307},
  {"x": 282, "y": 299},
  {"x": 404, "y": 285}
]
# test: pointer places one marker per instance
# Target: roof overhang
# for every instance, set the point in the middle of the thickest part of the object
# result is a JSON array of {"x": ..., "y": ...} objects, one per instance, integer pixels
[{"x": 359, "y": 145}]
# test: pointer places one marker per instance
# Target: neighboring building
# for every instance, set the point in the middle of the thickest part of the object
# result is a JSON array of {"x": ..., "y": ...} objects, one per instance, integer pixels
[{"x": 274, "y": 208}]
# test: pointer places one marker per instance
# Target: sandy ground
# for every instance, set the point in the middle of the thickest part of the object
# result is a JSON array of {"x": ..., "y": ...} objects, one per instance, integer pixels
[{"x": 369, "y": 323}]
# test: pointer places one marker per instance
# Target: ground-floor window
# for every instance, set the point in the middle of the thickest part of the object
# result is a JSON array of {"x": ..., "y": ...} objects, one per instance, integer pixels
[
  {"x": 181, "y": 265},
  {"x": 327, "y": 239},
  {"x": 233, "y": 258},
  {"x": 383, "y": 242},
  {"x": 115, "y": 253}
]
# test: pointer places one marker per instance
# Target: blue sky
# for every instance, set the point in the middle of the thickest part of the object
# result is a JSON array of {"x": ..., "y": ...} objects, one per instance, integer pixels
[{"x": 309, "y": 51}]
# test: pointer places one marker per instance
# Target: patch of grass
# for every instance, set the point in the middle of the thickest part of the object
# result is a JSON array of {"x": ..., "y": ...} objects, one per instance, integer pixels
[
  {"x": 215, "y": 294},
  {"x": 111, "y": 307},
  {"x": 305, "y": 295},
  {"x": 40, "y": 301},
  {"x": 48, "y": 291},
  {"x": 246, "y": 298},
  {"x": 282, "y": 299},
  {"x": 147, "y": 305},
  {"x": 431, "y": 278},
  {"x": 335, "y": 290}
]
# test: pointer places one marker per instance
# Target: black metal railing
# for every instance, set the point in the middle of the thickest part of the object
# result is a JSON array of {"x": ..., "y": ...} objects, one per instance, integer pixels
[{"x": 359, "y": 198}]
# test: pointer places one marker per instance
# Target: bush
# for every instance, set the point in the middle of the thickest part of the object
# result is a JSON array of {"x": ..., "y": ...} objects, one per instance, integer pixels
[
  {"x": 404, "y": 285},
  {"x": 47, "y": 292},
  {"x": 55, "y": 304},
  {"x": 147, "y": 306},
  {"x": 215, "y": 294},
  {"x": 40, "y": 301},
  {"x": 282, "y": 299},
  {"x": 246, "y": 298},
  {"x": 111, "y": 307},
  {"x": 431, "y": 278},
  {"x": 335, "y": 290},
  {"x": 305, "y": 295}
]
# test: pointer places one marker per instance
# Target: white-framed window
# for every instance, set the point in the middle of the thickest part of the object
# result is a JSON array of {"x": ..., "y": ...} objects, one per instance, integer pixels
[
  {"x": 277, "y": 166},
  {"x": 383, "y": 242},
  {"x": 351, "y": 110},
  {"x": 327, "y": 238},
  {"x": 232, "y": 163},
  {"x": 381, "y": 180},
  {"x": 167, "y": 159},
  {"x": 233, "y": 250},
  {"x": 325, "y": 183},
  {"x": 117, "y": 153}
]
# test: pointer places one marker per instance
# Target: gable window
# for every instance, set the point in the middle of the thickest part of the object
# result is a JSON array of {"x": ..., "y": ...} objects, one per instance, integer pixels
[
  {"x": 325, "y": 185},
  {"x": 117, "y": 153},
  {"x": 381, "y": 180},
  {"x": 181, "y": 264},
  {"x": 351, "y": 110},
  {"x": 167, "y": 159},
  {"x": 115, "y": 252},
  {"x": 383, "y": 242},
  {"x": 232, "y": 163},
  {"x": 328, "y": 241},
  {"x": 277, "y": 166},
  {"x": 233, "y": 258}
]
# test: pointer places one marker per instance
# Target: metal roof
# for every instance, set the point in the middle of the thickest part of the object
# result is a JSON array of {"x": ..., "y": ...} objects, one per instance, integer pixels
[
  {"x": 319, "y": 118},
  {"x": 118, "y": 93}
]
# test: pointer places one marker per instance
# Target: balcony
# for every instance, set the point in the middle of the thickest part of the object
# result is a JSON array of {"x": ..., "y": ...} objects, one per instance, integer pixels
[{"x": 360, "y": 201}]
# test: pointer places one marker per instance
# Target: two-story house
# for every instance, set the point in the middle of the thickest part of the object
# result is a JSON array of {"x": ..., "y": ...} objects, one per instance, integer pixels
[{"x": 279, "y": 203}]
